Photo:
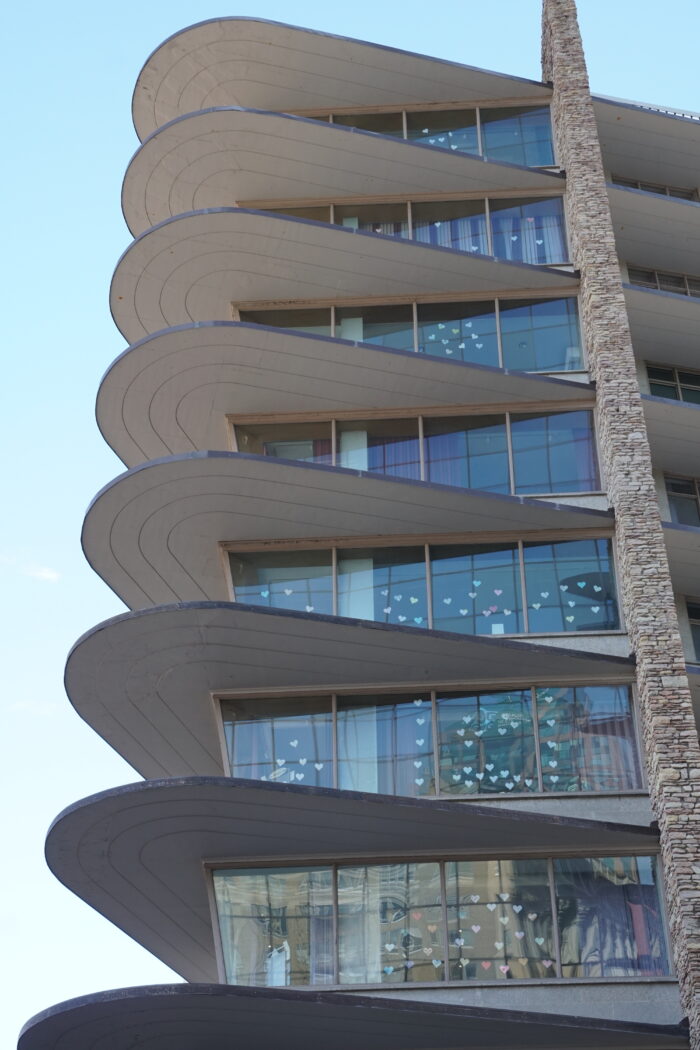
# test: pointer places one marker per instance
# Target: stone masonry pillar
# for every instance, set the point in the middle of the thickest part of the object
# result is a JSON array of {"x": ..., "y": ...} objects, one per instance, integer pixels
[{"x": 670, "y": 738}]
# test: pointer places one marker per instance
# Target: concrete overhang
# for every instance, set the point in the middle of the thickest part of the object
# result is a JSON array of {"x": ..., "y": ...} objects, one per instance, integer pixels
[
  {"x": 683, "y": 549},
  {"x": 153, "y": 533},
  {"x": 193, "y": 267},
  {"x": 136, "y": 853},
  {"x": 219, "y": 157},
  {"x": 217, "y": 1017},
  {"x": 146, "y": 681},
  {"x": 665, "y": 326},
  {"x": 644, "y": 144},
  {"x": 269, "y": 65},
  {"x": 171, "y": 392},
  {"x": 661, "y": 233},
  {"x": 674, "y": 434}
]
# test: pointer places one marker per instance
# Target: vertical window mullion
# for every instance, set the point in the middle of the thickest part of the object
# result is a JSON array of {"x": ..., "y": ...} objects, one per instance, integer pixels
[
  {"x": 499, "y": 339},
  {"x": 479, "y": 138},
  {"x": 421, "y": 438},
  {"x": 511, "y": 459},
  {"x": 445, "y": 925},
  {"x": 409, "y": 213},
  {"x": 404, "y": 123},
  {"x": 536, "y": 729},
  {"x": 414, "y": 308},
  {"x": 334, "y": 574},
  {"x": 336, "y": 937},
  {"x": 555, "y": 920},
  {"x": 428, "y": 586},
  {"x": 521, "y": 561},
  {"x": 331, "y": 211},
  {"x": 489, "y": 237},
  {"x": 434, "y": 726},
  {"x": 333, "y": 335},
  {"x": 334, "y": 437},
  {"x": 334, "y": 738}
]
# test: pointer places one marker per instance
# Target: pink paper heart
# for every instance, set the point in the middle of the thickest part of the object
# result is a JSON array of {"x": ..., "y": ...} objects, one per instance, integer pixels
[
  {"x": 486, "y": 965},
  {"x": 504, "y": 969}
]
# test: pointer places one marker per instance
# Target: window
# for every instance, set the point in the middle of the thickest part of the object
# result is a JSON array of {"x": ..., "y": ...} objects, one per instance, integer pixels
[
  {"x": 558, "y": 739},
  {"x": 453, "y": 129},
  {"x": 460, "y": 225},
  {"x": 674, "y": 383},
  {"x": 654, "y": 187},
  {"x": 474, "y": 588},
  {"x": 550, "y": 451},
  {"x": 527, "y": 335},
  {"x": 437, "y": 922},
  {"x": 518, "y": 136},
  {"x": 683, "y": 500},
  {"x": 529, "y": 231},
  {"x": 681, "y": 284},
  {"x": 694, "y": 618}
]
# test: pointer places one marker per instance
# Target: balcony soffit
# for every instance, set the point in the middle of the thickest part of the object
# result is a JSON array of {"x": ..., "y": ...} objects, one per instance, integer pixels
[
  {"x": 221, "y": 157},
  {"x": 674, "y": 434},
  {"x": 193, "y": 267},
  {"x": 144, "y": 681},
  {"x": 661, "y": 233},
  {"x": 153, "y": 534},
  {"x": 641, "y": 144},
  {"x": 683, "y": 549},
  {"x": 135, "y": 853},
  {"x": 170, "y": 393},
  {"x": 269, "y": 65},
  {"x": 664, "y": 326}
]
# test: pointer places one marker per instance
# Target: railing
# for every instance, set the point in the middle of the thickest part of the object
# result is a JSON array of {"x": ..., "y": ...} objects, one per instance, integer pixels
[{"x": 666, "y": 110}]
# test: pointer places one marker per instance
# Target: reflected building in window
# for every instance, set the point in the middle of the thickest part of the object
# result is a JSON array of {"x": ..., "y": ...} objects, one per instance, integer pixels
[{"x": 385, "y": 668}]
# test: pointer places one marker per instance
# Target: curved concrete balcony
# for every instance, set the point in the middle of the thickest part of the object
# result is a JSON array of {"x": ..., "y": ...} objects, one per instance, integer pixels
[
  {"x": 269, "y": 65},
  {"x": 153, "y": 534},
  {"x": 170, "y": 393},
  {"x": 136, "y": 853},
  {"x": 221, "y": 157},
  {"x": 664, "y": 326},
  {"x": 661, "y": 233},
  {"x": 674, "y": 434},
  {"x": 195, "y": 266},
  {"x": 144, "y": 681},
  {"x": 644, "y": 144},
  {"x": 180, "y": 1017}
]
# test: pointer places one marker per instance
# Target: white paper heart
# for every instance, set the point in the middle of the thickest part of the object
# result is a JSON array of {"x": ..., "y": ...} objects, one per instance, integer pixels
[
  {"x": 303, "y": 761},
  {"x": 318, "y": 766},
  {"x": 288, "y": 591},
  {"x": 491, "y": 907},
  {"x": 294, "y": 743}
]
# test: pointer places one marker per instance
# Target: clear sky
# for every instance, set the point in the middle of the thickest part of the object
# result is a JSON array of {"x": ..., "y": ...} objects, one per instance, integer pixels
[{"x": 69, "y": 72}]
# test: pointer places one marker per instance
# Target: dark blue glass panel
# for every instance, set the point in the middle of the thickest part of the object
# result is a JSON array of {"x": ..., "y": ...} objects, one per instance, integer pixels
[
  {"x": 455, "y": 129},
  {"x": 383, "y": 584},
  {"x": 468, "y": 453},
  {"x": 460, "y": 225},
  {"x": 541, "y": 335},
  {"x": 388, "y": 447},
  {"x": 570, "y": 586},
  {"x": 554, "y": 453},
  {"x": 518, "y": 136},
  {"x": 299, "y": 580},
  {"x": 459, "y": 332},
  {"x": 476, "y": 589}
]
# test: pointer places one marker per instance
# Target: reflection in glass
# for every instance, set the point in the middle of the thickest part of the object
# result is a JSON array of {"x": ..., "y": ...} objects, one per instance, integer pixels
[
  {"x": 459, "y": 332},
  {"x": 276, "y": 925},
  {"x": 587, "y": 739},
  {"x": 380, "y": 446},
  {"x": 306, "y": 442},
  {"x": 385, "y": 744},
  {"x": 518, "y": 136},
  {"x": 385, "y": 584},
  {"x": 499, "y": 918},
  {"x": 486, "y": 743},
  {"x": 610, "y": 917},
  {"x": 541, "y": 335},
  {"x": 467, "y": 453},
  {"x": 390, "y": 326},
  {"x": 529, "y": 231},
  {"x": 379, "y": 123},
  {"x": 388, "y": 219},
  {"x": 289, "y": 740},
  {"x": 460, "y": 225},
  {"x": 554, "y": 452},
  {"x": 683, "y": 500},
  {"x": 299, "y": 580},
  {"x": 315, "y": 322},
  {"x": 476, "y": 589},
  {"x": 453, "y": 129},
  {"x": 570, "y": 586},
  {"x": 390, "y": 926}
]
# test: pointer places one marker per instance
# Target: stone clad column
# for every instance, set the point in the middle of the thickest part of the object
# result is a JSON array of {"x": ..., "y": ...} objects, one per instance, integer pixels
[{"x": 669, "y": 732}]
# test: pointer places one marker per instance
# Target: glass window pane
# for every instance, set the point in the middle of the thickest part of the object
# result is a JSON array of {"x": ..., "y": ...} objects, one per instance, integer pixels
[
  {"x": 388, "y": 219},
  {"x": 387, "y": 585},
  {"x": 554, "y": 453},
  {"x": 380, "y": 446},
  {"x": 665, "y": 390},
  {"x": 610, "y": 917},
  {"x": 683, "y": 501},
  {"x": 289, "y": 740},
  {"x": 460, "y": 225},
  {"x": 499, "y": 919},
  {"x": 689, "y": 378},
  {"x": 315, "y": 322},
  {"x": 529, "y": 231},
  {"x": 379, "y": 123},
  {"x": 476, "y": 589},
  {"x": 691, "y": 394},
  {"x": 276, "y": 925},
  {"x": 587, "y": 739},
  {"x": 669, "y": 282},
  {"x": 307, "y": 442},
  {"x": 570, "y": 586},
  {"x": 315, "y": 214},
  {"x": 450, "y": 129},
  {"x": 299, "y": 580},
  {"x": 470, "y": 453},
  {"x": 390, "y": 326},
  {"x": 390, "y": 927},
  {"x": 459, "y": 331},
  {"x": 694, "y": 287},
  {"x": 695, "y": 634},
  {"x": 385, "y": 744},
  {"x": 666, "y": 375},
  {"x": 518, "y": 136},
  {"x": 486, "y": 743},
  {"x": 644, "y": 278},
  {"x": 541, "y": 335}
]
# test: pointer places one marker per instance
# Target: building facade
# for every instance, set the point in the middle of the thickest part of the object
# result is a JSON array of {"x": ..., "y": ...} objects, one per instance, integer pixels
[{"x": 409, "y": 536}]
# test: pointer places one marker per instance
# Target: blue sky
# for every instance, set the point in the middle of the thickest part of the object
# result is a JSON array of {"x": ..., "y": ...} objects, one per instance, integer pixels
[{"x": 70, "y": 69}]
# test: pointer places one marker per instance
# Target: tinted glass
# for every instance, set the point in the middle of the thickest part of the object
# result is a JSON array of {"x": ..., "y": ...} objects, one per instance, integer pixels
[
  {"x": 529, "y": 231},
  {"x": 289, "y": 740},
  {"x": 460, "y": 225},
  {"x": 388, "y": 219},
  {"x": 554, "y": 453},
  {"x": 299, "y": 580},
  {"x": 541, "y": 335},
  {"x": 459, "y": 332},
  {"x": 476, "y": 589},
  {"x": 387, "y": 585},
  {"x": 385, "y": 744},
  {"x": 518, "y": 136},
  {"x": 380, "y": 446},
  {"x": 468, "y": 453},
  {"x": 307, "y": 442},
  {"x": 379, "y": 123},
  {"x": 390, "y": 326},
  {"x": 315, "y": 322},
  {"x": 450, "y": 129},
  {"x": 570, "y": 586}
]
